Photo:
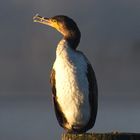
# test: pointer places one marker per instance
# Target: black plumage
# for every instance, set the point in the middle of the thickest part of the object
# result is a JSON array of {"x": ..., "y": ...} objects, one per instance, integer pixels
[{"x": 71, "y": 33}]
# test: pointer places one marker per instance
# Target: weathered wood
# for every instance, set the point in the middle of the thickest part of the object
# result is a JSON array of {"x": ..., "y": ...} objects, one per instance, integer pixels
[{"x": 102, "y": 136}]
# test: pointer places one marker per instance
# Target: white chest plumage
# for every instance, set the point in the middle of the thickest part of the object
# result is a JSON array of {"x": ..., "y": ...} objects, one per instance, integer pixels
[{"x": 72, "y": 89}]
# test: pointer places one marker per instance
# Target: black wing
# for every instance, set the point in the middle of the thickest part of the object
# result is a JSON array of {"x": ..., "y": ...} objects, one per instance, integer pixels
[
  {"x": 93, "y": 96},
  {"x": 59, "y": 114}
]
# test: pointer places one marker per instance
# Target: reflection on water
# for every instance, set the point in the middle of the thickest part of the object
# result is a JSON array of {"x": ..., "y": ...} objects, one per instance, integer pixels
[{"x": 34, "y": 118}]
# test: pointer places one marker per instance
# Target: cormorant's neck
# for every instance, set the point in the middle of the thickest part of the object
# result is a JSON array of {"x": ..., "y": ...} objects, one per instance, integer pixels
[{"x": 73, "y": 38}]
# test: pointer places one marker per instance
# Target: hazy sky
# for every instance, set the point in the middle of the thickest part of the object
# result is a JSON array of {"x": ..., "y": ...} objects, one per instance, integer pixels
[{"x": 110, "y": 39}]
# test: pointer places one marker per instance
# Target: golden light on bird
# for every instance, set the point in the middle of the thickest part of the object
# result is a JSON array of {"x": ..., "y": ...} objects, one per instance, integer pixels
[
  {"x": 47, "y": 21},
  {"x": 76, "y": 92}
]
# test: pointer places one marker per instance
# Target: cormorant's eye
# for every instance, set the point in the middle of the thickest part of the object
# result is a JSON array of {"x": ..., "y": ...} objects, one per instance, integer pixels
[{"x": 54, "y": 20}]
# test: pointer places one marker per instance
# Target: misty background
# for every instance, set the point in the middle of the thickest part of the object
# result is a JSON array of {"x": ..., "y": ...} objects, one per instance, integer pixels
[{"x": 111, "y": 41}]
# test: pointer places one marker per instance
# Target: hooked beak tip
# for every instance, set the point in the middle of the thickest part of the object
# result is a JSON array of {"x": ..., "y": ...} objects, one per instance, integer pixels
[
  {"x": 40, "y": 19},
  {"x": 35, "y": 17}
]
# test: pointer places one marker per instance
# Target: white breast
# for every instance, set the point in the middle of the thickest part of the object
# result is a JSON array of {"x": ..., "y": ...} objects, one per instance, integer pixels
[{"x": 72, "y": 85}]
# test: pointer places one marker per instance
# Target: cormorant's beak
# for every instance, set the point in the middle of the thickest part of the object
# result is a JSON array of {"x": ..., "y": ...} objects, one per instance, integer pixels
[
  {"x": 47, "y": 21},
  {"x": 42, "y": 20}
]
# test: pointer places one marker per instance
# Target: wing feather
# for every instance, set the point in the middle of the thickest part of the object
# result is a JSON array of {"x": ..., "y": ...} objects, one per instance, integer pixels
[
  {"x": 59, "y": 114},
  {"x": 93, "y": 96}
]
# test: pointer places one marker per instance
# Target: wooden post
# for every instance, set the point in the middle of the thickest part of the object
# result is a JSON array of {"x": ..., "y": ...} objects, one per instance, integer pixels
[{"x": 102, "y": 136}]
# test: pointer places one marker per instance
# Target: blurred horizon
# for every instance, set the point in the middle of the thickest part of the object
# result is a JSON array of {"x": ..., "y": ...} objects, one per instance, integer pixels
[{"x": 110, "y": 40}]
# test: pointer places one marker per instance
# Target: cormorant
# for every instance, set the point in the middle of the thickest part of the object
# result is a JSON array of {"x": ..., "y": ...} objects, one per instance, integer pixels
[{"x": 73, "y": 81}]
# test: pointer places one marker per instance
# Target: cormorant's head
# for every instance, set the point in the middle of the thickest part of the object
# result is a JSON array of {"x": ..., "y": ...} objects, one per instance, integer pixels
[{"x": 65, "y": 25}]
